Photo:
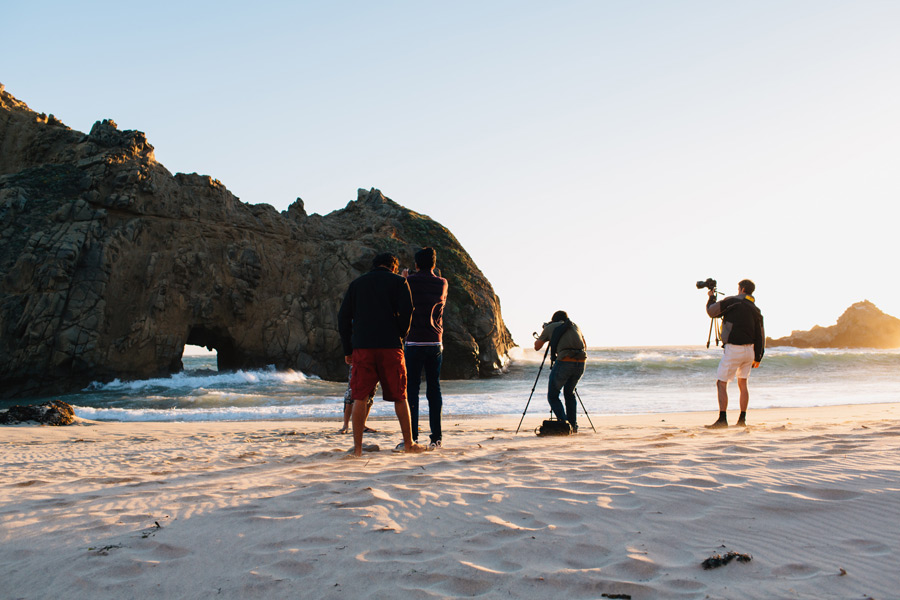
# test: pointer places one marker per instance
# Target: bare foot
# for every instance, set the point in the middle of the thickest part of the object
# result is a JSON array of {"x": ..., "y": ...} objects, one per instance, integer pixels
[
  {"x": 352, "y": 454},
  {"x": 415, "y": 449}
]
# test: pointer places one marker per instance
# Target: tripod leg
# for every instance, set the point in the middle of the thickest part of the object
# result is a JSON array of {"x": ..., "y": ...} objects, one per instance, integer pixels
[
  {"x": 526, "y": 407},
  {"x": 532, "y": 389},
  {"x": 585, "y": 410}
]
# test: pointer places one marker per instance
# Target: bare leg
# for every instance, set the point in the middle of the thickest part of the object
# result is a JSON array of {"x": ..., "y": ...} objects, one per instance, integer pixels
[
  {"x": 745, "y": 394},
  {"x": 722, "y": 388},
  {"x": 359, "y": 423},
  {"x": 348, "y": 410},
  {"x": 402, "y": 409},
  {"x": 368, "y": 410},
  {"x": 722, "y": 421}
]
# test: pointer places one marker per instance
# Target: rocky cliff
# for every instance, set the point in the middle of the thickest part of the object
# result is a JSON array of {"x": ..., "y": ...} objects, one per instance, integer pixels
[
  {"x": 862, "y": 325},
  {"x": 110, "y": 264}
]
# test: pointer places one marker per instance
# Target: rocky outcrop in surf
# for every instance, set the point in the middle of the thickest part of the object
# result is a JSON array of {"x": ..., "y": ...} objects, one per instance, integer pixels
[
  {"x": 862, "y": 325},
  {"x": 55, "y": 412},
  {"x": 110, "y": 265}
]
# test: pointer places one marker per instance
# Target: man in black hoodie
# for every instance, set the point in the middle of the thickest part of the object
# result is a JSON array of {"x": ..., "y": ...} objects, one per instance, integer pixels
[
  {"x": 743, "y": 339},
  {"x": 373, "y": 320}
]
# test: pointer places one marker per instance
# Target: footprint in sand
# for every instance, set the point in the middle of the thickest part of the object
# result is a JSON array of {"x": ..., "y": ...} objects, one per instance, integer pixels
[
  {"x": 585, "y": 556},
  {"x": 289, "y": 568},
  {"x": 409, "y": 554},
  {"x": 796, "y": 571},
  {"x": 493, "y": 566},
  {"x": 635, "y": 464},
  {"x": 626, "y": 500},
  {"x": 810, "y": 493},
  {"x": 635, "y": 567},
  {"x": 163, "y": 552},
  {"x": 868, "y": 547},
  {"x": 455, "y": 586}
]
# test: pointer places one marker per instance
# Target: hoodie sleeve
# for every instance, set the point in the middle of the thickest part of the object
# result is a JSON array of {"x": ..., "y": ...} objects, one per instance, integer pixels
[
  {"x": 404, "y": 309},
  {"x": 345, "y": 322}
]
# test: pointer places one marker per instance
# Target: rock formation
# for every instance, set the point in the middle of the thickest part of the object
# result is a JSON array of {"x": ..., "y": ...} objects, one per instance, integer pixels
[
  {"x": 55, "y": 412},
  {"x": 862, "y": 325},
  {"x": 110, "y": 264}
]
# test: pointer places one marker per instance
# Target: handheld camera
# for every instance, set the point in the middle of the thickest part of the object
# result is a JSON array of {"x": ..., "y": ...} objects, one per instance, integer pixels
[{"x": 709, "y": 284}]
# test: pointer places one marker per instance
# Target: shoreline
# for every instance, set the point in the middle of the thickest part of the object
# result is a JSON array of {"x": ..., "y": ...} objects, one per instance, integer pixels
[
  {"x": 272, "y": 509},
  {"x": 539, "y": 412},
  {"x": 532, "y": 414}
]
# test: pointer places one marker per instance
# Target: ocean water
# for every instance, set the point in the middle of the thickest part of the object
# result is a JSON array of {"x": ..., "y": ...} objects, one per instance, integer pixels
[{"x": 616, "y": 381}]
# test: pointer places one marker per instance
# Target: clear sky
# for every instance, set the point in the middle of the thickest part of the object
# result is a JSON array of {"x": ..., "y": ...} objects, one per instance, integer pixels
[{"x": 595, "y": 156}]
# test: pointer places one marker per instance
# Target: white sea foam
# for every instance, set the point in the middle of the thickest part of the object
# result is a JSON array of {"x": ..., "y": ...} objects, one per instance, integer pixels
[
  {"x": 187, "y": 379},
  {"x": 222, "y": 413},
  {"x": 297, "y": 408}
]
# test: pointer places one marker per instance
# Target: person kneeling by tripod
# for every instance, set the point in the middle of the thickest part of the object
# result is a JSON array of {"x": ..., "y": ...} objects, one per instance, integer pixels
[{"x": 567, "y": 357}]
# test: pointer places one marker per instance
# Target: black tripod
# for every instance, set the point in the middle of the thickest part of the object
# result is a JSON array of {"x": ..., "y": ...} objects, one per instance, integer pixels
[
  {"x": 535, "y": 386},
  {"x": 715, "y": 324},
  {"x": 532, "y": 389}
]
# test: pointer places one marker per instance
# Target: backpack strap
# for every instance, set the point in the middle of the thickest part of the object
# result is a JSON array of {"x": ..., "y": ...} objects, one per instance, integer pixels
[{"x": 556, "y": 336}]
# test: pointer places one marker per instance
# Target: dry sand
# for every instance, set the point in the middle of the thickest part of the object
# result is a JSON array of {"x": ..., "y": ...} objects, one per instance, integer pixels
[{"x": 273, "y": 510}]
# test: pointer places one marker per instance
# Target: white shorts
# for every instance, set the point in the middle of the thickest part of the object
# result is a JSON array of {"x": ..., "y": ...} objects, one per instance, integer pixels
[{"x": 738, "y": 360}]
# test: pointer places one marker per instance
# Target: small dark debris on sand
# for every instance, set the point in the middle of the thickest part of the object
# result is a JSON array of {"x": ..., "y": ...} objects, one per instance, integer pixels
[
  {"x": 617, "y": 596},
  {"x": 152, "y": 530},
  {"x": 104, "y": 551},
  {"x": 717, "y": 560}
]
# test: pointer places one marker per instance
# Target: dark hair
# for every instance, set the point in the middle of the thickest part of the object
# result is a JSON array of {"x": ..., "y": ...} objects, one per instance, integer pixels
[
  {"x": 748, "y": 286},
  {"x": 386, "y": 259},
  {"x": 426, "y": 258},
  {"x": 559, "y": 315}
]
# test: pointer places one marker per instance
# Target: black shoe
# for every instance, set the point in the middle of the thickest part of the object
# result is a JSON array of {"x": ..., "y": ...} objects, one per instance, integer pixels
[{"x": 720, "y": 424}]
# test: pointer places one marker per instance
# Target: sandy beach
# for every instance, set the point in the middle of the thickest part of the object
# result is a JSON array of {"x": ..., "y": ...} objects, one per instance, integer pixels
[{"x": 274, "y": 510}]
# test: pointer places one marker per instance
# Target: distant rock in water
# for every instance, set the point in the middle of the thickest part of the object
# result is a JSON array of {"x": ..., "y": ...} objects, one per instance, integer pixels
[
  {"x": 110, "y": 265},
  {"x": 862, "y": 325}
]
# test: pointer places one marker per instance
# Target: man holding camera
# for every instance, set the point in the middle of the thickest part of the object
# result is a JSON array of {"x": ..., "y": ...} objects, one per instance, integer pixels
[
  {"x": 567, "y": 357},
  {"x": 743, "y": 339}
]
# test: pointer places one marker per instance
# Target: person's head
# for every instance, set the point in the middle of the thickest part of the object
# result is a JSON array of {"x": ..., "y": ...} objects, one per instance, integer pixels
[
  {"x": 386, "y": 260},
  {"x": 559, "y": 315},
  {"x": 747, "y": 286},
  {"x": 426, "y": 259}
]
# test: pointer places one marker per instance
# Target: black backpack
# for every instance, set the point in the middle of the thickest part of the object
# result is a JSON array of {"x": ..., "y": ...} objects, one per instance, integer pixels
[{"x": 554, "y": 427}]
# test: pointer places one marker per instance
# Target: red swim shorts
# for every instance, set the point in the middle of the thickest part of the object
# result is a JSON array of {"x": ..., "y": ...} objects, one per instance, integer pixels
[{"x": 374, "y": 365}]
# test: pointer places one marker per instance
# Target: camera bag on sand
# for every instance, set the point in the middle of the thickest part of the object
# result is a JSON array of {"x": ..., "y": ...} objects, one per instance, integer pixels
[{"x": 554, "y": 427}]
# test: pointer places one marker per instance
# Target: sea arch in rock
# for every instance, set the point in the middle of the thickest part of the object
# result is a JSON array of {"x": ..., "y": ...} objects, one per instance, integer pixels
[{"x": 110, "y": 265}]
